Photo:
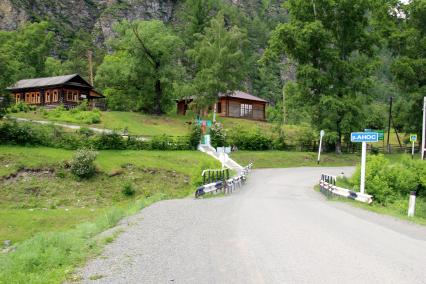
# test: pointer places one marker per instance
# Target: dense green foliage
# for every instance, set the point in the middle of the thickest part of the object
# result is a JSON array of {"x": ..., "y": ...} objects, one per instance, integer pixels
[
  {"x": 139, "y": 74},
  {"x": 51, "y": 136},
  {"x": 408, "y": 43},
  {"x": 388, "y": 181},
  {"x": 333, "y": 43}
]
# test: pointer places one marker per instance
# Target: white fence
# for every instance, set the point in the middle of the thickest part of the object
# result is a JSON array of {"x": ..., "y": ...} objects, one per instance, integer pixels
[
  {"x": 328, "y": 187},
  {"x": 226, "y": 186}
]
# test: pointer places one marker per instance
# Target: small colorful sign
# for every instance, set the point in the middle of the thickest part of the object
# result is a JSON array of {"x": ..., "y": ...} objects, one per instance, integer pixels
[{"x": 413, "y": 137}]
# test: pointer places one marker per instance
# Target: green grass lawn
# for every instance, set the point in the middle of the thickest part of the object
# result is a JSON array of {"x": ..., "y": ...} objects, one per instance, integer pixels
[
  {"x": 285, "y": 159},
  {"x": 136, "y": 123},
  {"x": 36, "y": 201}
]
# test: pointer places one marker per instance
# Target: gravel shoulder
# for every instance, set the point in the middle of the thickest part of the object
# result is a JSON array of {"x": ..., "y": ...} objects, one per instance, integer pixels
[{"x": 274, "y": 230}]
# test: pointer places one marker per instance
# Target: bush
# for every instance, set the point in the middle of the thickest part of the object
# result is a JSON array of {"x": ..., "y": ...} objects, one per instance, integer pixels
[
  {"x": 79, "y": 114},
  {"x": 217, "y": 135},
  {"x": 253, "y": 141},
  {"x": 388, "y": 181},
  {"x": 128, "y": 190},
  {"x": 53, "y": 136},
  {"x": 107, "y": 141},
  {"x": 195, "y": 136},
  {"x": 82, "y": 165}
]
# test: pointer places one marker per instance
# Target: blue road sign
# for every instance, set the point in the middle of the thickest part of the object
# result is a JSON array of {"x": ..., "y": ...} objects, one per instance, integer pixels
[{"x": 364, "y": 137}]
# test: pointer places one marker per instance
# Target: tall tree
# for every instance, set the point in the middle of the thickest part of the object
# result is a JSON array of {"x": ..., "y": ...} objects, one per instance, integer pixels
[
  {"x": 23, "y": 52},
  {"x": 218, "y": 60},
  {"x": 333, "y": 44},
  {"x": 144, "y": 64},
  {"x": 408, "y": 42}
]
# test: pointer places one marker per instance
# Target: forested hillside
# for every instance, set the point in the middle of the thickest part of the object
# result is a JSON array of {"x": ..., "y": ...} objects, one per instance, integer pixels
[{"x": 333, "y": 64}]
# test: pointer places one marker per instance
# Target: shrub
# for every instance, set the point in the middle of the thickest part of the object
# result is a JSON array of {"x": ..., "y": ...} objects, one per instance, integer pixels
[
  {"x": 253, "y": 140},
  {"x": 161, "y": 142},
  {"x": 82, "y": 165},
  {"x": 217, "y": 135},
  {"x": 195, "y": 136},
  {"x": 109, "y": 141},
  {"x": 128, "y": 190},
  {"x": 388, "y": 181},
  {"x": 53, "y": 136}
]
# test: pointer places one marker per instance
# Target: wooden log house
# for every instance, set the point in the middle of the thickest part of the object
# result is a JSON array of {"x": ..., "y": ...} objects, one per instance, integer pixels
[
  {"x": 234, "y": 104},
  {"x": 68, "y": 90}
]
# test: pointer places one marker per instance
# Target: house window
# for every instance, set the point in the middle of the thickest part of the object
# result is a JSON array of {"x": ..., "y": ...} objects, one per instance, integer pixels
[
  {"x": 72, "y": 96},
  {"x": 47, "y": 98},
  {"x": 55, "y": 96},
  {"x": 219, "y": 107},
  {"x": 37, "y": 98},
  {"x": 17, "y": 98},
  {"x": 246, "y": 110}
]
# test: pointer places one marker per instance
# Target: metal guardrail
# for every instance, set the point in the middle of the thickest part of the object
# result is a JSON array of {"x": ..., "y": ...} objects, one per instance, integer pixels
[
  {"x": 328, "y": 187},
  {"x": 227, "y": 185}
]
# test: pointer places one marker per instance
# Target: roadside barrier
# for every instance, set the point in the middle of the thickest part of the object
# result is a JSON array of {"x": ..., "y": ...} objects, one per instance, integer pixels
[
  {"x": 226, "y": 185},
  {"x": 328, "y": 187}
]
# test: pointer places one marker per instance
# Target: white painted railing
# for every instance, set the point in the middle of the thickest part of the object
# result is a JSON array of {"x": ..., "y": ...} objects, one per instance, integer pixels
[
  {"x": 226, "y": 186},
  {"x": 328, "y": 187}
]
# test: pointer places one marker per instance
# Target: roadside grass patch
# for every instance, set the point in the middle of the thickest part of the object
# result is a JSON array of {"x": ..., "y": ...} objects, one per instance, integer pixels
[
  {"x": 51, "y": 217},
  {"x": 286, "y": 159}
]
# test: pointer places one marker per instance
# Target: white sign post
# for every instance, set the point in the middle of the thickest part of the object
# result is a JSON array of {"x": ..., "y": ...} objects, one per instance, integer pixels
[
  {"x": 363, "y": 165},
  {"x": 413, "y": 139},
  {"x": 364, "y": 137},
  {"x": 422, "y": 150},
  {"x": 322, "y": 133}
]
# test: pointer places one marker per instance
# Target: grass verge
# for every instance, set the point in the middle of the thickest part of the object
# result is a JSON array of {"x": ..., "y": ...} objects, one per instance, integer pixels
[
  {"x": 285, "y": 159},
  {"x": 397, "y": 209},
  {"x": 50, "y": 217},
  {"x": 52, "y": 257}
]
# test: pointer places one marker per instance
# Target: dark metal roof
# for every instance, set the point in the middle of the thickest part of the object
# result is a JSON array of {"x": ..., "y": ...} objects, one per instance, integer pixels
[
  {"x": 235, "y": 94},
  {"x": 44, "y": 82},
  {"x": 243, "y": 95}
]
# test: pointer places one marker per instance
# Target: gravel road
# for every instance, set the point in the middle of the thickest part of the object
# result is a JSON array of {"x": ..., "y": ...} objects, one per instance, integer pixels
[{"x": 274, "y": 230}]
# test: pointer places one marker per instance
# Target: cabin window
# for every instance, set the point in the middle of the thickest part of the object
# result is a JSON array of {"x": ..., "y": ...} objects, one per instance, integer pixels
[
  {"x": 37, "y": 98},
  {"x": 47, "y": 98},
  {"x": 27, "y": 98},
  {"x": 72, "y": 96},
  {"x": 55, "y": 96},
  {"x": 246, "y": 110},
  {"x": 17, "y": 98}
]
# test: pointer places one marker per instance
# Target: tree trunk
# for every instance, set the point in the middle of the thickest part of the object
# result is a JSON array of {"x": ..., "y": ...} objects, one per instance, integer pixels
[
  {"x": 158, "y": 96},
  {"x": 339, "y": 140}
]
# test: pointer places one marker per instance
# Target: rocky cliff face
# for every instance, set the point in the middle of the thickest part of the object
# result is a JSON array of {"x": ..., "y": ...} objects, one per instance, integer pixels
[{"x": 96, "y": 16}]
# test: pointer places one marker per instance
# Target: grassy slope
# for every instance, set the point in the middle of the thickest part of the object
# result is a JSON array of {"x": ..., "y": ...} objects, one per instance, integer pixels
[
  {"x": 137, "y": 123},
  {"x": 283, "y": 159},
  {"x": 171, "y": 173}
]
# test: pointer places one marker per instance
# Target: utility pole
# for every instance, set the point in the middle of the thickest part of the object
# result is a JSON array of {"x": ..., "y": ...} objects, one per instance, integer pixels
[
  {"x": 389, "y": 124},
  {"x": 90, "y": 59}
]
